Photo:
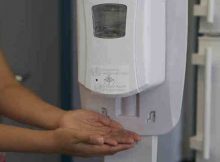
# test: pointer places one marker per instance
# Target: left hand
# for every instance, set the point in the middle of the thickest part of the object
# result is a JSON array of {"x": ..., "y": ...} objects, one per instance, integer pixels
[{"x": 65, "y": 141}]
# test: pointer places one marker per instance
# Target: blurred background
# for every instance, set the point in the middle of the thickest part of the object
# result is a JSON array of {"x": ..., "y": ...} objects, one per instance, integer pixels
[{"x": 39, "y": 39}]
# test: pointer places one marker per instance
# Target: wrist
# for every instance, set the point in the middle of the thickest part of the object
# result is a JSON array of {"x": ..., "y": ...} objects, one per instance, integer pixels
[
  {"x": 53, "y": 120},
  {"x": 60, "y": 114},
  {"x": 50, "y": 142},
  {"x": 63, "y": 141},
  {"x": 60, "y": 140},
  {"x": 46, "y": 142}
]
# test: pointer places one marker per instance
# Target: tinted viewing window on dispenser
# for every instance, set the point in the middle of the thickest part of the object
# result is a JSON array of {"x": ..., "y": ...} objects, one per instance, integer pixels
[{"x": 109, "y": 20}]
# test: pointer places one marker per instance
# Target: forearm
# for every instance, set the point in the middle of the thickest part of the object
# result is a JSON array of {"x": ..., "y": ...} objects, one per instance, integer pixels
[
  {"x": 13, "y": 139},
  {"x": 18, "y": 103}
]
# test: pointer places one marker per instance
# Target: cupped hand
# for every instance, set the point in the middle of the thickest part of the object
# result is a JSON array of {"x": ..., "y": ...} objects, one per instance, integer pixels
[
  {"x": 94, "y": 128},
  {"x": 67, "y": 143}
]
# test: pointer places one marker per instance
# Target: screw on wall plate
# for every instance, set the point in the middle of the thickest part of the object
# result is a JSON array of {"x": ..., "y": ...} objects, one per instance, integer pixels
[
  {"x": 104, "y": 112},
  {"x": 22, "y": 78},
  {"x": 151, "y": 117}
]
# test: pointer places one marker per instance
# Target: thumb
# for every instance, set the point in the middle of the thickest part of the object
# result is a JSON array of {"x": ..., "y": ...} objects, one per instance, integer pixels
[
  {"x": 96, "y": 140},
  {"x": 91, "y": 139}
]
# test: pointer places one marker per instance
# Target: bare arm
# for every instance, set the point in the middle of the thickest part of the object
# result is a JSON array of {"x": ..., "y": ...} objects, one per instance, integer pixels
[
  {"x": 82, "y": 133},
  {"x": 57, "y": 141},
  {"x": 18, "y": 103},
  {"x": 25, "y": 140}
]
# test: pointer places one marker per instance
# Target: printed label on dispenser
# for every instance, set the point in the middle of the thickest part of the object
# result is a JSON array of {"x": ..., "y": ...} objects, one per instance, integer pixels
[{"x": 110, "y": 80}]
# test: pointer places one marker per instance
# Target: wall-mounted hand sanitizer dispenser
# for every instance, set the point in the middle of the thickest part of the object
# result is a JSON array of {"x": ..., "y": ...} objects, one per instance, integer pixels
[
  {"x": 122, "y": 45},
  {"x": 132, "y": 59}
]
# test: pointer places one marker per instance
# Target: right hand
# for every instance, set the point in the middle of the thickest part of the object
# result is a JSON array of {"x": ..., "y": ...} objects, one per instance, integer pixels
[
  {"x": 67, "y": 142},
  {"x": 96, "y": 128}
]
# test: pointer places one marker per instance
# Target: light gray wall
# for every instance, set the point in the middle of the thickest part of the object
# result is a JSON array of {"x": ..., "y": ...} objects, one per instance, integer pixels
[
  {"x": 174, "y": 147},
  {"x": 29, "y": 34}
]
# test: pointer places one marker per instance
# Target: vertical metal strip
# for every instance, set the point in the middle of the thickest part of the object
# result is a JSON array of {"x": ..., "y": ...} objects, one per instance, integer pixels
[
  {"x": 66, "y": 58},
  {"x": 207, "y": 110}
]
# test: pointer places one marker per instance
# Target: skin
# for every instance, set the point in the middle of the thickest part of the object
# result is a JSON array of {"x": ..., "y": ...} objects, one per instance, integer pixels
[{"x": 81, "y": 133}]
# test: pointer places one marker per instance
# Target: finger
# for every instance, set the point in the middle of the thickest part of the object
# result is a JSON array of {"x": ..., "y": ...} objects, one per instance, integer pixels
[
  {"x": 102, "y": 150},
  {"x": 136, "y": 137},
  {"x": 121, "y": 147},
  {"x": 90, "y": 139},
  {"x": 115, "y": 124},
  {"x": 125, "y": 140},
  {"x": 100, "y": 140},
  {"x": 109, "y": 122},
  {"x": 98, "y": 130},
  {"x": 109, "y": 150},
  {"x": 122, "y": 137},
  {"x": 110, "y": 141},
  {"x": 96, "y": 140}
]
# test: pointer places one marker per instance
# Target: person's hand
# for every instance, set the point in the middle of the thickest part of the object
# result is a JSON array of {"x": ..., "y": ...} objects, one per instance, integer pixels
[
  {"x": 96, "y": 128},
  {"x": 67, "y": 143}
]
